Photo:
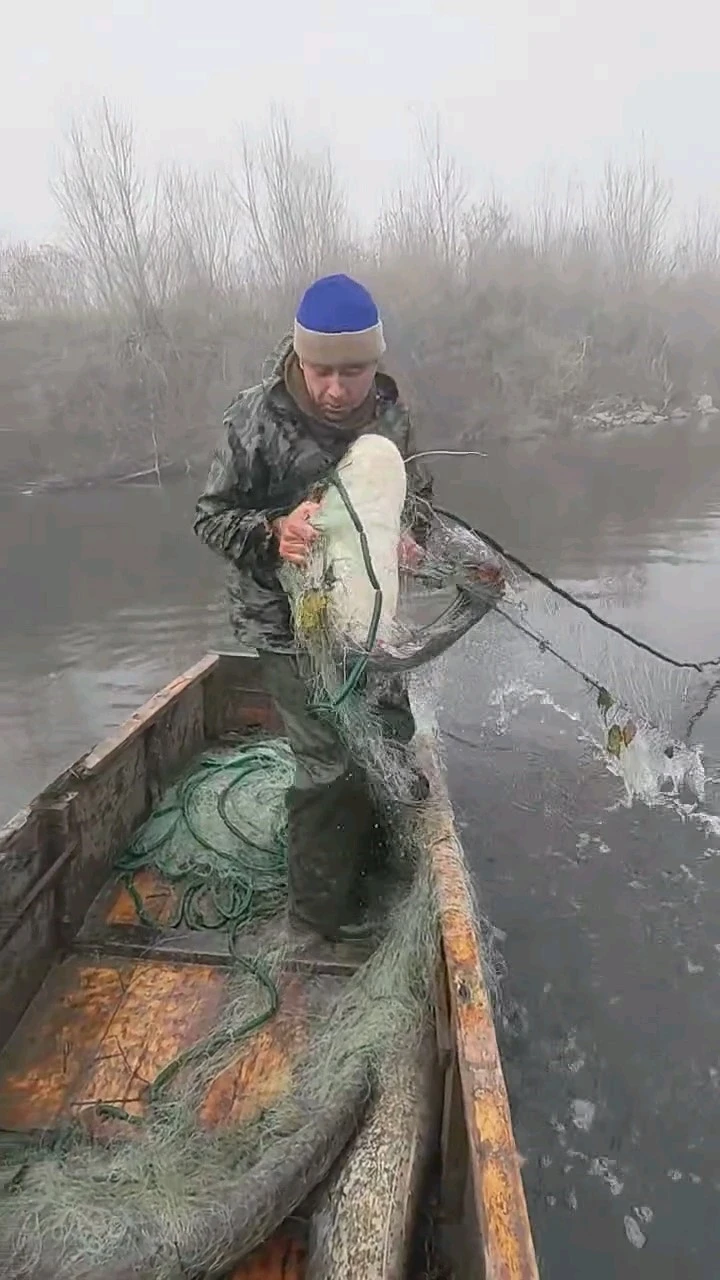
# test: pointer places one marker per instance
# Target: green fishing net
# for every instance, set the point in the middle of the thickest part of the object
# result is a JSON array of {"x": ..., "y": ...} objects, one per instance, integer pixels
[{"x": 219, "y": 836}]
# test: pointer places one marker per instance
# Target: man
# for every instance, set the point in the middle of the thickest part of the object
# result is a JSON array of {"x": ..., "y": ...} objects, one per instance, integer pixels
[{"x": 281, "y": 437}]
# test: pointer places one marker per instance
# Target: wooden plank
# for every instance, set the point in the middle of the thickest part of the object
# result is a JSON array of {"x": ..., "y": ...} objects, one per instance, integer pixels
[
  {"x": 102, "y": 797},
  {"x": 106, "y": 808},
  {"x": 165, "y": 1009},
  {"x": 454, "y": 1148},
  {"x": 54, "y": 1045},
  {"x": 158, "y": 898},
  {"x": 29, "y": 843},
  {"x": 257, "y": 1077},
  {"x": 117, "y": 784},
  {"x": 174, "y": 737},
  {"x": 25, "y": 961},
  {"x": 236, "y": 699},
  {"x": 498, "y": 1192},
  {"x": 146, "y": 715},
  {"x": 205, "y": 946},
  {"x": 113, "y": 927},
  {"x": 23, "y": 855},
  {"x": 101, "y": 1032}
]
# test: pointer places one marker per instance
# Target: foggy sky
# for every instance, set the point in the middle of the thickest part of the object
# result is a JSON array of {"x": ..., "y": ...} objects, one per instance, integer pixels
[{"x": 520, "y": 84}]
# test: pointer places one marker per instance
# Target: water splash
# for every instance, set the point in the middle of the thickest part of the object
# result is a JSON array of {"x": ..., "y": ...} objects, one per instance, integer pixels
[
  {"x": 652, "y": 767},
  {"x": 511, "y": 697}
]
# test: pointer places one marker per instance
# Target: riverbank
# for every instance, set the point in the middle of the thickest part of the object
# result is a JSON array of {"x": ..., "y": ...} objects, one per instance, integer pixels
[
  {"x": 518, "y": 345},
  {"x": 616, "y": 417}
]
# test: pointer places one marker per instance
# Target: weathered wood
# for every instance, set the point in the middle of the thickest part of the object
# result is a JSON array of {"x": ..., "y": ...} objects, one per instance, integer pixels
[
  {"x": 453, "y": 1149},
  {"x": 159, "y": 899},
  {"x": 100, "y": 1028},
  {"x": 102, "y": 1032},
  {"x": 108, "y": 804},
  {"x": 497, "y": 1186},
  {"x": 147, "y": 715},
  {"x": 23, "y": 855},
  {"x": 236, "y": 698},
  {"x": 173, "y": 739},
  {"x": 112, "y": 926},
  {"x": 117, "y": 783},
  {"x": 33, "y": 857},
  {"x": 262, "y": 1071},
  {"x": 56, "y": 854}
]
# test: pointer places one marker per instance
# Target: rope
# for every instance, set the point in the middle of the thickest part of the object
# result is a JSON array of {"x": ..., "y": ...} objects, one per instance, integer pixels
[
  {"x": 232, "y": 903},
  {"x": 545, "y": 647},
  {"x": 359, "y": 667},
  {"x": 579, "y": 604}
]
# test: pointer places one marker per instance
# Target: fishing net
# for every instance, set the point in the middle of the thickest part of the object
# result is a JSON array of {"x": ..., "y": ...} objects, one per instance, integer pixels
[
  {"x": 175, "y": 1198},
  {"x": 151, "y": 1187},
  {"x": 640, "y": 706},
  {"x": 220, "y": 837}
]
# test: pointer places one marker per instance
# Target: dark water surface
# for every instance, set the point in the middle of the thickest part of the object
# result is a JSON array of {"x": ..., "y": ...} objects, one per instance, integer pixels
[{"x": 605, "y": 903}]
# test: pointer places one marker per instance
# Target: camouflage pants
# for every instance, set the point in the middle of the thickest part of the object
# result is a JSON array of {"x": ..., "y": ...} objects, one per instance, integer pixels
[{"x": 333, "y": 826}]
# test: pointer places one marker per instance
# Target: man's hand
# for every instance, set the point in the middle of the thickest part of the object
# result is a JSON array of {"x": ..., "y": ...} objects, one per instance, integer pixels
[{"x": 295, "y": 533}]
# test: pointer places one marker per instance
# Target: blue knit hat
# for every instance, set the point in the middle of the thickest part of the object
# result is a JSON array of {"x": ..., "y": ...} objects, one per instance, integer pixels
[{"x": 338, "y": 323}]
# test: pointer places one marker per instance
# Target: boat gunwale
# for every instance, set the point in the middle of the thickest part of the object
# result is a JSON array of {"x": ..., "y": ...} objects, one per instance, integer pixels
[{"x": 493, "y": 1185}]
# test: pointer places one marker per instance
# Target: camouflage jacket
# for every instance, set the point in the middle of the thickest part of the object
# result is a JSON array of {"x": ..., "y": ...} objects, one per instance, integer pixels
[{"x": 268, "y": 460}]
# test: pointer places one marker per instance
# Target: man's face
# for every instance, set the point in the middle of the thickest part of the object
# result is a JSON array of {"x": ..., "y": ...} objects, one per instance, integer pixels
[{"x": 336, "y": 392}]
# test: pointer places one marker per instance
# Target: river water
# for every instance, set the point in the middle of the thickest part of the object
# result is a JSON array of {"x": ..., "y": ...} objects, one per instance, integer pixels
[{"x": 600, "y": 879}]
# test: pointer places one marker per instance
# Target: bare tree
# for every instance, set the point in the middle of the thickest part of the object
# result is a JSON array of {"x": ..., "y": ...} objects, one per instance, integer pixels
[
  {"x": 401, "y": 227},
  {"x": 432, "y": 214},
  {"x": 486, "y": 224},
  {"x": 294, "y": 210},
  {"x": 633, "y": 209},
  {"x": 554, "y": 220},
  {"x": 113, "y": 216},
  {"x": 37, "y": 279},
  {"x": 444, "y": 191},
  {"x": 698, "y": 250},
  {"x": 203, "y": 229}
]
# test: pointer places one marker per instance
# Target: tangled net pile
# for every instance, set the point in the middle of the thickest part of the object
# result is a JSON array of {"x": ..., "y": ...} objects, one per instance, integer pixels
[
  {"x": 163, "y": 1193},
  {"x": 167, "y": 1195}
]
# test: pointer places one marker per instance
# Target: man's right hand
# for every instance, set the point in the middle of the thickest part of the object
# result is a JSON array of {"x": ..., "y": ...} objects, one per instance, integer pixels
[{"x": 295, "y": 533}]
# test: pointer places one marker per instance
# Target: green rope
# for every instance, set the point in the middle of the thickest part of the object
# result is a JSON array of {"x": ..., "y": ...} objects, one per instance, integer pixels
[
  {"x": 221, "y": 1039},
  {"x": 358, "y": 669},
  {"x": 249, "y": 881}
]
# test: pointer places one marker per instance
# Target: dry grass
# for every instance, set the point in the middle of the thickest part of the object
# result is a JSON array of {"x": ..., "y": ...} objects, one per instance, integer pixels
[{"x": 120, "y": 350}]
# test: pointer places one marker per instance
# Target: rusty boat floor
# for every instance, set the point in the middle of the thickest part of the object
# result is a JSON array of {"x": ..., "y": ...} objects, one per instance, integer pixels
[{"x": 126, "y": 1000}]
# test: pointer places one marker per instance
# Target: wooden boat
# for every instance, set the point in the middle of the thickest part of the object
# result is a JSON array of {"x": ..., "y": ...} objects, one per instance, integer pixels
[{"x": 90, "y": 1002}]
